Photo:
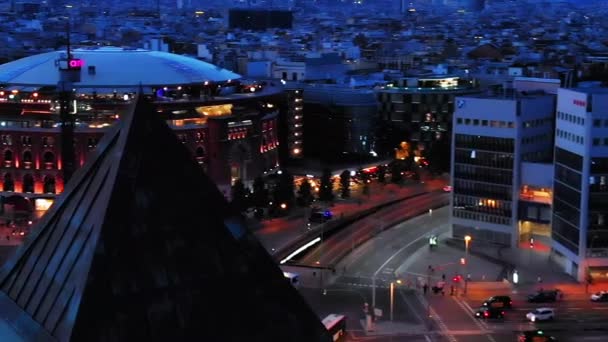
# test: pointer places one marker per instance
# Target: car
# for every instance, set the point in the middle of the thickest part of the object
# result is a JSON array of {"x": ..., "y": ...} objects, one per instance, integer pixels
[
  {"x": 601, "y": 296},
  {"x": 535, "y": 336},
  {"x": 489, "y": 312},
  {"x": 543, "y": 296},
  {"x": 320, "y": 216},
  {"x": 541, "y": 314},
  {"x": 499, "y": 302}
]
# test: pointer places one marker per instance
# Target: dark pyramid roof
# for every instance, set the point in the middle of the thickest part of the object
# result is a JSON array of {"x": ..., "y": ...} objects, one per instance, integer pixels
[{"x": 138, "y": 248}]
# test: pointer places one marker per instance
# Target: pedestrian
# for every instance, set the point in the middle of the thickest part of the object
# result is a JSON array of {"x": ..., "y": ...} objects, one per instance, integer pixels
[
  {"x": 443, "y": 277},
  {"x": 425, "y": 288}
]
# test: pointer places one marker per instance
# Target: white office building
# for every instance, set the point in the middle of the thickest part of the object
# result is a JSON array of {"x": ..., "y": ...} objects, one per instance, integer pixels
[
  {"x": 501, "y": 166},
  {"x": 580, "y": 203}
]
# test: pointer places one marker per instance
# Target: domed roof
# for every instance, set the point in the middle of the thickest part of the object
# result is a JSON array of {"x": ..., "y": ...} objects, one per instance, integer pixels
[{"x": 114, "y": 67}]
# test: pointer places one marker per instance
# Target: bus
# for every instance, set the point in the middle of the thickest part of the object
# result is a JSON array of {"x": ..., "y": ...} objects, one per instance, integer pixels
[
  {"x": 336, "y": 325},
  {"x": 294, "y": 278}
]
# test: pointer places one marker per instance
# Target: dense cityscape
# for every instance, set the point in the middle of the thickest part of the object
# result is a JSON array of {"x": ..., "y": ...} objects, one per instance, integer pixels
[{"x": 304, "y": 170}]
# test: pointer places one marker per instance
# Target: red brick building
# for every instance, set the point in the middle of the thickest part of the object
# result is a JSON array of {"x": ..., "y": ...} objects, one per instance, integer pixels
[{"x": 228, "y": 123}]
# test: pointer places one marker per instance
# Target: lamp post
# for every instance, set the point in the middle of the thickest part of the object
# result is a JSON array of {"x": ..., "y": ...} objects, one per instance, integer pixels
[
  {"x": 467, "y": 239},
  {"x": 392, "y": 295}
]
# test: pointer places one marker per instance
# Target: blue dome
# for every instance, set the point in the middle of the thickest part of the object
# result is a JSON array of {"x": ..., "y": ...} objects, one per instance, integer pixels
[{"x": 114, "y": 67}]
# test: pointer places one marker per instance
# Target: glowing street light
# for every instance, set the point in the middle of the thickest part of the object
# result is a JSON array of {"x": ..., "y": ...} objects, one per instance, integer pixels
[{"x": 467, "y": 239}]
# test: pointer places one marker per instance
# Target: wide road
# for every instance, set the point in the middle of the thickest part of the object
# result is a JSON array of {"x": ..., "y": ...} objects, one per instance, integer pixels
[
  {"x": 334, "y": 248},
  {"x": 451, "y": 318},
  {"x": 277, "y": 233}
]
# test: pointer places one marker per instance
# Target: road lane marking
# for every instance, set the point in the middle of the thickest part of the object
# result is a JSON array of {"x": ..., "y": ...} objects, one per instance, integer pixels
[
  {"x": 480, "y": 324},
  {"x": 435, "y": 317}
]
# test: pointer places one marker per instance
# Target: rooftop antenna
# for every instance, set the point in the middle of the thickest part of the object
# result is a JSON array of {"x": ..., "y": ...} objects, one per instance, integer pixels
[{"x": 69, "y": 72}]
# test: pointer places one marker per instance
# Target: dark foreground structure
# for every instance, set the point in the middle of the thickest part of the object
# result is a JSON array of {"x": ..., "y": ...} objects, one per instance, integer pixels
[{"x": 142, "y": 248}]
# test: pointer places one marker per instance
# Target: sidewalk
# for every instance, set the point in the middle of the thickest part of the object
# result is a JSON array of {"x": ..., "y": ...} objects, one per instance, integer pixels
[
  {"x": 532, "y": 265},
  {"x": 446, "y": 260}
]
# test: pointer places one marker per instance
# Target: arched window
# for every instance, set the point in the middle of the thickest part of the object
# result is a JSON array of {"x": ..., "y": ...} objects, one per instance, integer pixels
[
  {"x": 8, "y": 155},
  {"x": 49, "y": 185},
  {"x": 27, "y": 156},
  {"x": 28, "y": 183},
  {"x": 9, "y": 184},
  {"x": 48, "y": 157}
]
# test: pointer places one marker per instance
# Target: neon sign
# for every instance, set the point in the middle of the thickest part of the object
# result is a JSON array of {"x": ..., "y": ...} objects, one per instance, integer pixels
[{"x": 76, "y": 63}]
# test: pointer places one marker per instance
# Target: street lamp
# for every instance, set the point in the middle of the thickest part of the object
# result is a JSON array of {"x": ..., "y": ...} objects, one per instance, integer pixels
[{"x": 467, "y": 239}]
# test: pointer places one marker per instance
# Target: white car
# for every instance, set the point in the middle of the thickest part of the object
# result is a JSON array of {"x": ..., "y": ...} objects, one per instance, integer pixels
[
  {"x": 601, "y": 296},
  {"x": 541, "y": 314}
]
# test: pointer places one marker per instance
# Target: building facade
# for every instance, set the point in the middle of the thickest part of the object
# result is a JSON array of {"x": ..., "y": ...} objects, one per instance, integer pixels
[
  {"x": 419, "y": 111},
  {"x": 495, "y": 137},
  {"x": 229, "y": 124},
  {"x": 580, "y": 205},
  {"x": 339, "y": 120}
]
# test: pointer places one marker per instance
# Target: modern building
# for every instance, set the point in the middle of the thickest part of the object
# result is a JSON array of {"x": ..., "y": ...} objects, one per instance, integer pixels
[
  {"x": 580, "y": 203},
  {"x": 259, "y": 19},
  {"x": 229, "y": 124},
  {"x": 502, "y": 147},
  {"x": 143, "y": 247},
  {"x": 338, "y": 121},
  {"x": 294, "y": 122},
  {"x": 419, "y": 110}
]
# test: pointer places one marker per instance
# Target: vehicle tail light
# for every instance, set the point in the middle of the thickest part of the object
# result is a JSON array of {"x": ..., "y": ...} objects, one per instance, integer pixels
[
  {"x": 486, "y": 314},
  {"x": 502, "y": 313}
]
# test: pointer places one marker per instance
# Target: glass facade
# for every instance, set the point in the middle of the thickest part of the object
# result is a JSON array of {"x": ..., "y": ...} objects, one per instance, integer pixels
[
  {"x": 483, "y": 178},
  {"x": 567, "y": 199},
  {"x": 597, "y": 233}
]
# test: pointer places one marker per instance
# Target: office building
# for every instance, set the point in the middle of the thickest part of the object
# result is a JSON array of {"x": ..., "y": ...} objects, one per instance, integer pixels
[
  {"x": 580, "y": 204},
  {"x": 501, "y": 162},
  {"x": 419, "y": 110}
]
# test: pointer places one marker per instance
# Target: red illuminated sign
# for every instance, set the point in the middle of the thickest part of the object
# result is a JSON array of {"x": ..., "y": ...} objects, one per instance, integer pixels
[
  {"x": 76, "y": 63},
  {"x": 580, "y": 103}
]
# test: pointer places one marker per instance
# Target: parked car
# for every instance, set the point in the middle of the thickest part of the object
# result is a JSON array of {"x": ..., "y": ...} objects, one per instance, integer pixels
[
  {"x": 489, "y": 312},
  {"x": 499, "y": 302},
  {"x": 601, "y": 296},
  {"x": 543, "y": 296},
  {"x": 541, "y": 314},
  {"x": 535, "y": 336}
]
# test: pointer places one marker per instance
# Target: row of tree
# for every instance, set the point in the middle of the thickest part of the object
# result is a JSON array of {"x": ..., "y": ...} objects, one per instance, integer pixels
[{"x": 277, "y": 193}]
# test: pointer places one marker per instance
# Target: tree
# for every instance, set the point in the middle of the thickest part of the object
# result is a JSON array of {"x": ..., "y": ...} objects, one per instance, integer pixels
[
  {"x": 284, "y": 190},
  {"x": 305, "y": 193},
  {"x": 260, "y": 193},
  {"x": 381, "y": 173},
  {"x": 238, "y": 196},
  {"x": 365, "y": 179},
  {"x": 397, "y": 171},
  {"x": 326, "y": 192},
  {"x": 345, "y": 184}
]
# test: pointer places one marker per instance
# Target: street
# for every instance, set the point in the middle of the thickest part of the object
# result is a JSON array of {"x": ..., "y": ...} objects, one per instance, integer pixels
[{"x": 400, "y": 255}]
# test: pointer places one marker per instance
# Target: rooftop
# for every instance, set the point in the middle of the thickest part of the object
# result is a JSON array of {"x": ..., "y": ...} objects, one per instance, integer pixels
[{"x": 114, "y": 67}]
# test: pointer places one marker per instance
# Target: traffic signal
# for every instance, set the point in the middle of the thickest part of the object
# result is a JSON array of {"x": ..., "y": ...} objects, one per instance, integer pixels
[{"x": 531, "y": 242}]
